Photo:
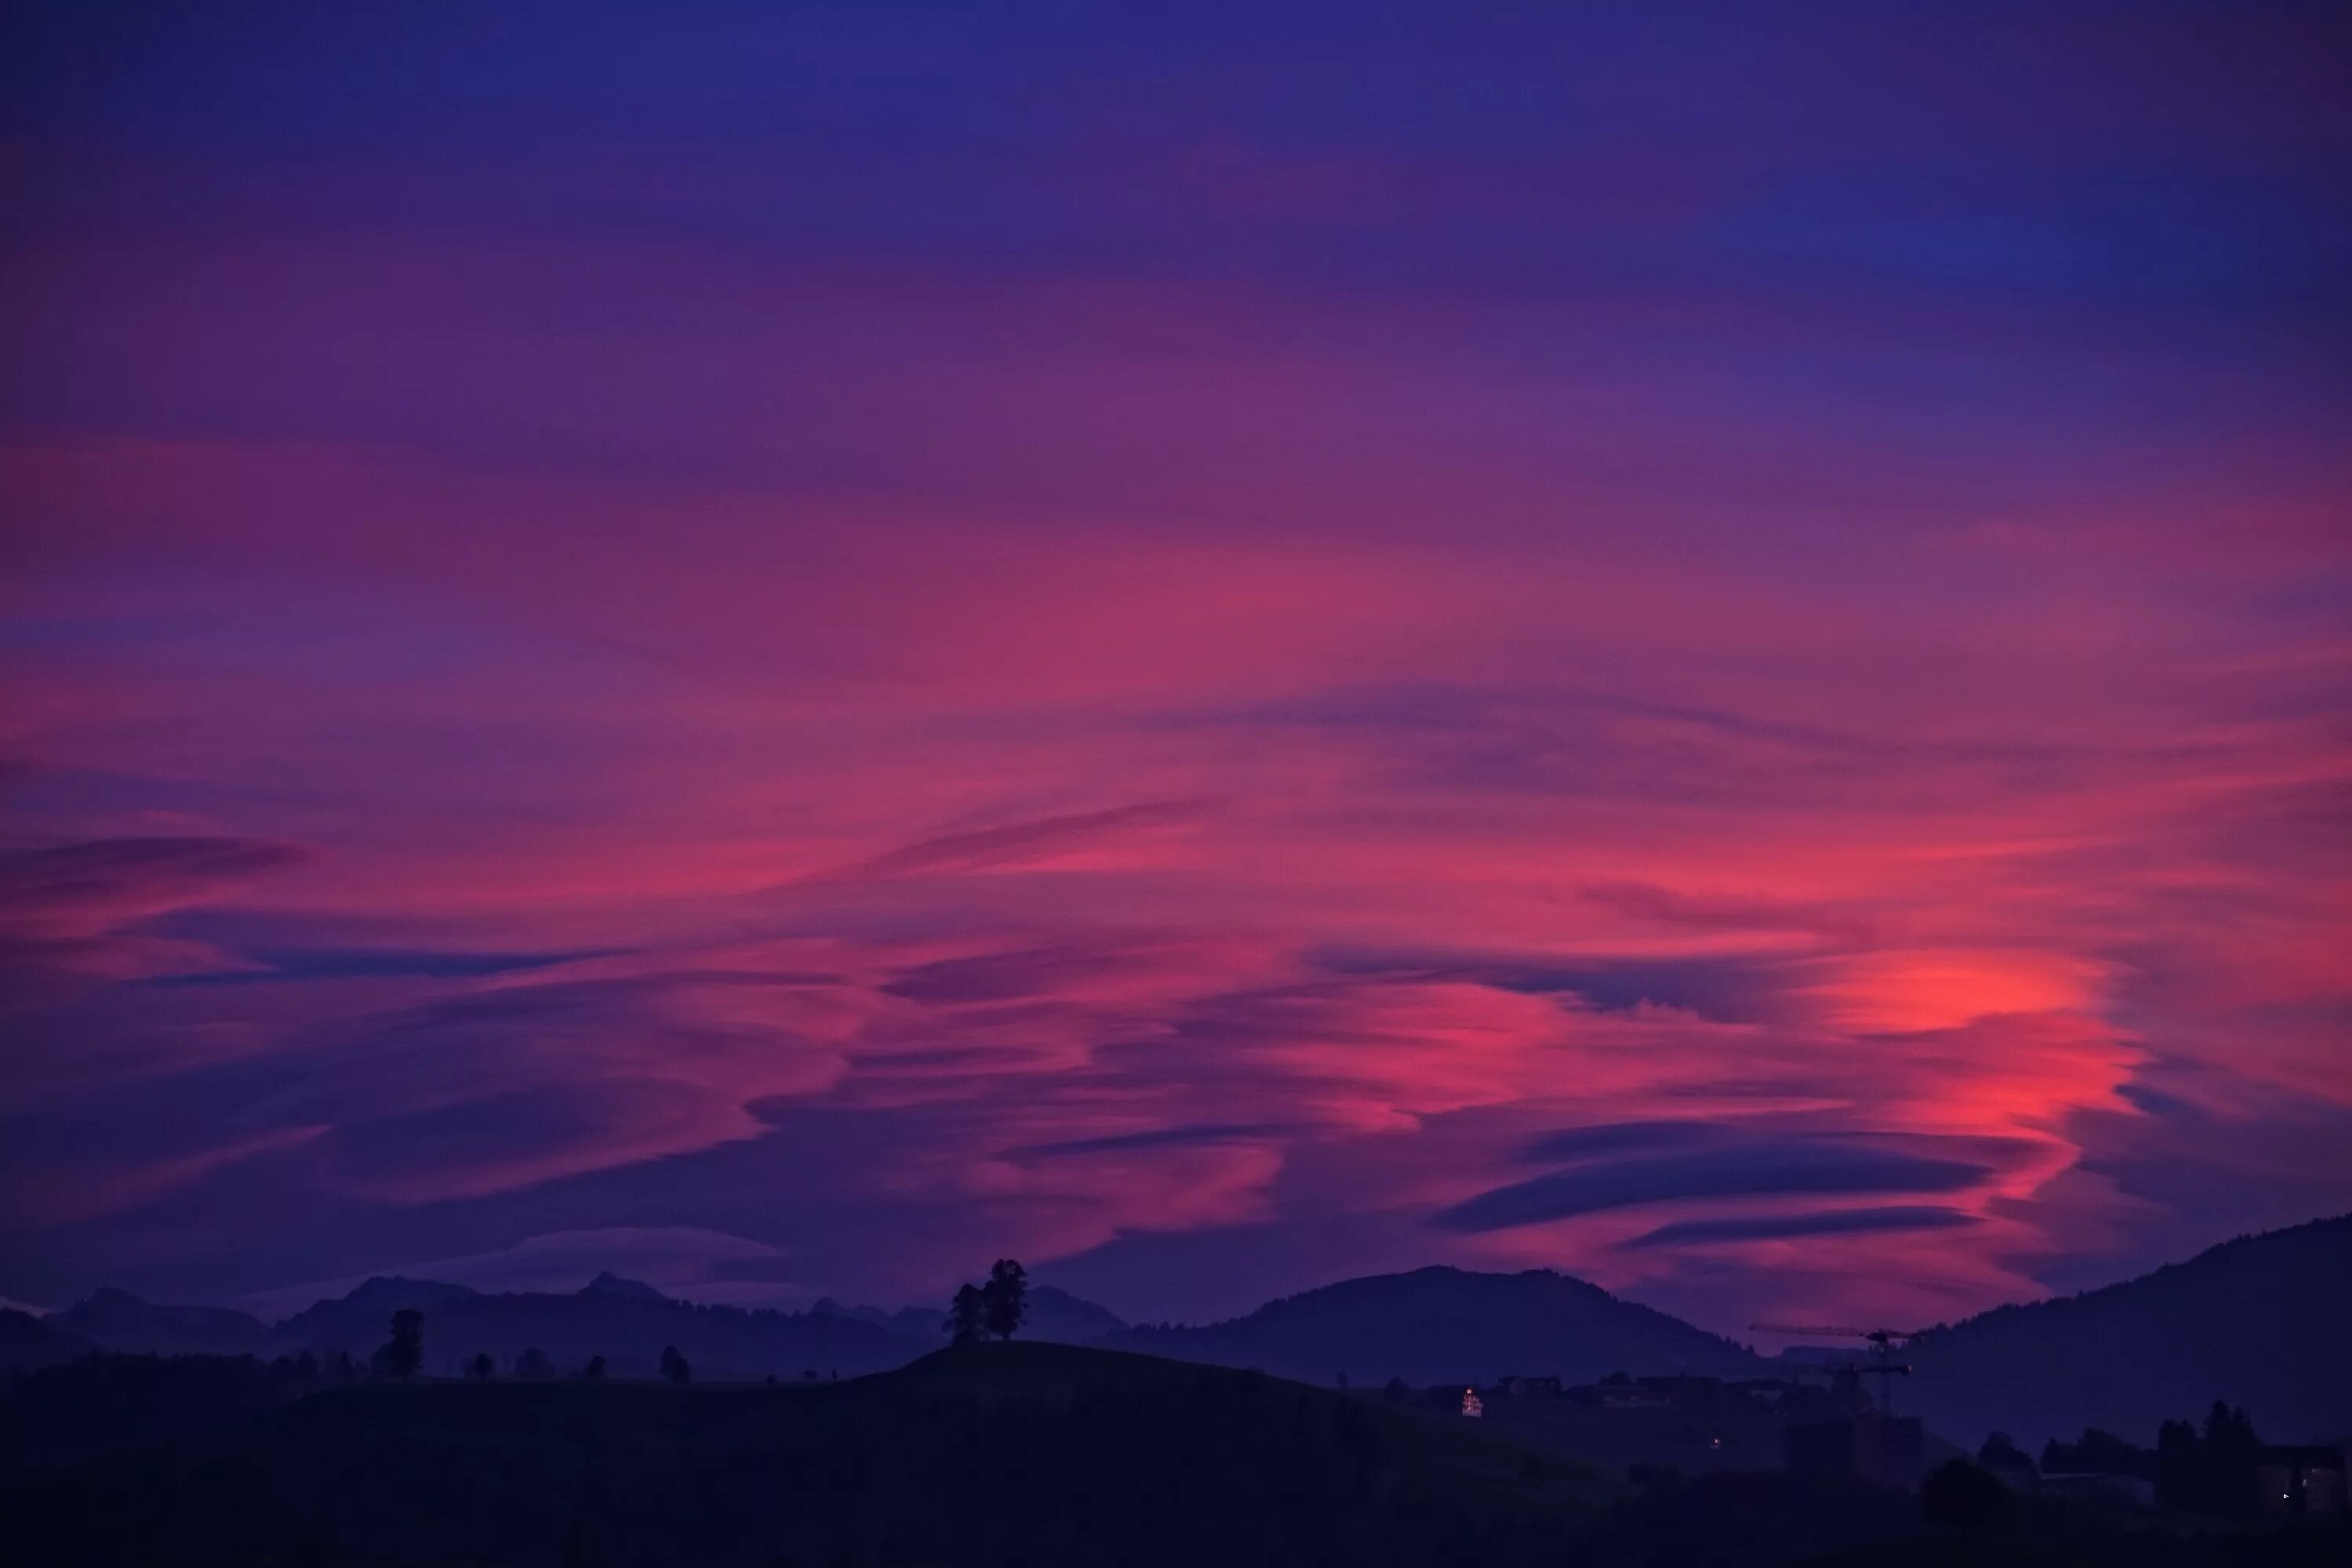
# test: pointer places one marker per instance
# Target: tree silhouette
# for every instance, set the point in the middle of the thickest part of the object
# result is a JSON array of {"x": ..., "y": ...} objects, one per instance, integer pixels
[
  {"x": 968, "y": 1316},
  {"x": 1966, "y": 1500},
  {"x": 594, "y": 1370},
  {"x": 533, "y": 1365},
  {"x": 402, "y": 1353},
  {"x": 2232, "y": 1453},
  {"x": 482, "y": 1367},
  {"x": 1006, "y": 1295},
  {"x": 1998, "y": 1448},
  {"x": 2213, "y": 1473},
  {"x": 674, "y": 1366}
]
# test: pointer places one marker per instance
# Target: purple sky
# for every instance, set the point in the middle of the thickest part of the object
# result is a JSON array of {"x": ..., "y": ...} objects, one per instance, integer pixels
[{"x": 788, "y": 649}]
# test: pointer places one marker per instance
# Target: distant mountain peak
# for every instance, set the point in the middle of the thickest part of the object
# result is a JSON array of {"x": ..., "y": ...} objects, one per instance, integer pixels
[
  {"x": 608, "y": 1283},
  {"x": 1443, "y": 1324}
]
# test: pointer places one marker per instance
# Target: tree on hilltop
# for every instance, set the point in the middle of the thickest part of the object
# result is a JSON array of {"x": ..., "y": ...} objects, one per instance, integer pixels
[
  {"x": 968, "y": 1316},
  {"x": 1007, "y": 1297}
]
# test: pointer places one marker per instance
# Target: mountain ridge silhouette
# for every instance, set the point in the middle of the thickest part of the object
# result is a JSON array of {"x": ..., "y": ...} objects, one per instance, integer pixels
[
  {"x": 2254, "y": 1321},
  {"x": 2258, "y": 1321}
]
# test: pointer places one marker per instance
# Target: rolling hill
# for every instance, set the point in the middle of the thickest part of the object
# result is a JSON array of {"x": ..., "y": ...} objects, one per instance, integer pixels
[
  {"x": 992, "y": 1454},
  {"x": 985, "y": 1456},
  {"x": 1055, "y": 1316},
  {"x": 1449, "y": 1325},
  {"x": 2259, "y": 1321},
  {"x": 626, "y": 1321}
]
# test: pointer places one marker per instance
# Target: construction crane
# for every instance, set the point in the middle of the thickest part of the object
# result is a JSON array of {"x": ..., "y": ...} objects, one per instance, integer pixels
[{"x": 1884, "y": 1343}]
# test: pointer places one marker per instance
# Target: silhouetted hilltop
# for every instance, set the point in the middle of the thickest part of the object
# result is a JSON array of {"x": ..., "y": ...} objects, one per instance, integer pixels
[
  {"x": 985, "y": 1455},
  {"x": 626, "y": 1321},
  {"x": 1441, "y": 1325},
  {"x": 119, "y": 1320},
  {"x": 995, "y": 1454},
  {"x": 2260, "y": 1321},
  {"x": 1055, "y": 1316}
]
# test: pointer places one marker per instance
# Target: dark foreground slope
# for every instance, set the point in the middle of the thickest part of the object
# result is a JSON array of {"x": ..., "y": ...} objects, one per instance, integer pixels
[
  {"x": 1450, "y": 1325},
  {"x": 2259, "y": 1321},
  {"x": 1037, "y": 1455},
  {"x": 997, "y": 1454},
  {"x": 26, "y": 1341}
]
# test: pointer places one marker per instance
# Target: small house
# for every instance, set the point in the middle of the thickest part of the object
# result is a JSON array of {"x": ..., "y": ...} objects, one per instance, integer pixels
[{"x": 2299, "y": 1479}]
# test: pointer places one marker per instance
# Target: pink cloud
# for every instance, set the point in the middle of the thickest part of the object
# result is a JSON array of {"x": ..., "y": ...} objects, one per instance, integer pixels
[{"x": 1279, "y": 755}]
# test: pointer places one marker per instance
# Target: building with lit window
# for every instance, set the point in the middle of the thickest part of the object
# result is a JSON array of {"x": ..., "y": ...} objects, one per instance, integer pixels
[{"x": 2293, "y": 1479}]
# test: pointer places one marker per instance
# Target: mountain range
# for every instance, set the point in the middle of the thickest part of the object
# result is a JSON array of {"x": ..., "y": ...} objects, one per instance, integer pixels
[{"x": 2257, "y": 1321}]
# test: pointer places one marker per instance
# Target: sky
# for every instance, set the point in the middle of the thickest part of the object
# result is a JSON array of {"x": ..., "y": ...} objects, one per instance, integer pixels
[{"x": 791, "y": 648}]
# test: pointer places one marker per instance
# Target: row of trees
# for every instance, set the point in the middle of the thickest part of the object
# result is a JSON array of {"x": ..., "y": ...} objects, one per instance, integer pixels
[
  {"x": 2210, "y": 1472},
  {"x": 996, "y": 1307},
  {"x": 401, "y": 1356},
  {"x": 533, "y": 1366}
]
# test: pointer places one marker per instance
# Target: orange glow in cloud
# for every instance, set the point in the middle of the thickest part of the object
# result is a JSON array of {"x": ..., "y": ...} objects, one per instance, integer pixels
[{"x": 1906, "y": 991}]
